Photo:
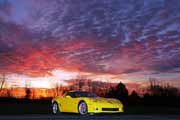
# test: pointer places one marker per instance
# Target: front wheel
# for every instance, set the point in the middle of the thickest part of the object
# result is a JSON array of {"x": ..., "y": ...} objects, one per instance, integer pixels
[
  {"x": 82, "y": 108},
  {"x": 55, "y": 108}
]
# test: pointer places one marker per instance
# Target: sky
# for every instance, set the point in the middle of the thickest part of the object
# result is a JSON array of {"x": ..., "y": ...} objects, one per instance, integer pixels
[{"x": 44, "y": 42}]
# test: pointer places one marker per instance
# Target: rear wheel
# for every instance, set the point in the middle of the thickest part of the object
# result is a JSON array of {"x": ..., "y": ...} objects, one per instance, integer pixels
[
  {"x": 55, "y": 108},
  {"x": 82, "y": 108}
]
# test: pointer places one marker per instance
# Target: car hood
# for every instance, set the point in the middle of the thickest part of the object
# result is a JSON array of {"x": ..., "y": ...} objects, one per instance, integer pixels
[{"x": 105, "y": 100}]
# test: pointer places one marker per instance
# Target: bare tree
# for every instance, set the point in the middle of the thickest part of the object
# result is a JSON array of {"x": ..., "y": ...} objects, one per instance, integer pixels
[
  {"x": 58, "y": 89},
  {"x": 79, "y": 81},
  {"x": 2, "y": 81},
  {"x": 158, "y": 89},
  {"x": 94, "y": 86},
  {"x": 28, "y": 91},
  {"x": 89, "y": 83}
]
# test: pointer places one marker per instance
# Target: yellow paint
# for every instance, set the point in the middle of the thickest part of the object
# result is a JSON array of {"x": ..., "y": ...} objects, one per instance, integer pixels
[{"x": 68, "y": 104}]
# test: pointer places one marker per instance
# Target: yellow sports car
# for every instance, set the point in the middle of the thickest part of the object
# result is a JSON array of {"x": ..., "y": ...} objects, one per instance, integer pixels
[{"x": 84, "y": 103}]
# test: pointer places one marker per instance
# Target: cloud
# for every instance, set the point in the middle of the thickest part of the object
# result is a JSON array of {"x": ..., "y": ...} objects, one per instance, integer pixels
[
  {"x": 131, "y": 71},
  {"x": 5, "y": 7},
  {"x": 168, "y": 66},
  {"x": 96, "y": 36}
]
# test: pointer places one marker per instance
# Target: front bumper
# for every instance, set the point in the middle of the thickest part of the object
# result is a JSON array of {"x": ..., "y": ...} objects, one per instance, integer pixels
[{"x": 105, "y": 108}]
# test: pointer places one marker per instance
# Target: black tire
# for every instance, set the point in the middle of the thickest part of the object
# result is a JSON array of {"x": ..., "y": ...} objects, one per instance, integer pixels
[
  {"x": 82, "y": 108},
  {"x": 55, "y": 108}
]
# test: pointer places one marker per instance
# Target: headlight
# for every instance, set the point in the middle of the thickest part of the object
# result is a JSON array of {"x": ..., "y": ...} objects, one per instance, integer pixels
[{"x": 95, "y": 108}]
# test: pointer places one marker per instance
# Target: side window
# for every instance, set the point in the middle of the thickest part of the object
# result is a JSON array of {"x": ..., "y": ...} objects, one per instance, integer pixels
[
  {"x": 76, "y": 95},
  {"x": 66, "y": 94},
  {"x": 69, "y": 94}
]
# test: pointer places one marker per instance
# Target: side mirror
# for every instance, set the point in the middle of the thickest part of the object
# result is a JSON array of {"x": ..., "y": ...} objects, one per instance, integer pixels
[{"x": 68, "y": 96}]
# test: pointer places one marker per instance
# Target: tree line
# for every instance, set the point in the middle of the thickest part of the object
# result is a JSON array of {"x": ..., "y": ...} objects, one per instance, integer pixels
[{"x": 156, "y": 94}]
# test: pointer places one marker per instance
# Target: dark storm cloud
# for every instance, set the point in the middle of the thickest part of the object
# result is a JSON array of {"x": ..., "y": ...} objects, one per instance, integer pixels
[
  {"x": 168, "y": 67},
  {"x": 5, "y": 7},
  {"x": 131, "y": 71}
]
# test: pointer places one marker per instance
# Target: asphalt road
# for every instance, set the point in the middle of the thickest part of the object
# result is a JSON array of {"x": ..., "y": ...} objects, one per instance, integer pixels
[{"x": 94, "y": 117}]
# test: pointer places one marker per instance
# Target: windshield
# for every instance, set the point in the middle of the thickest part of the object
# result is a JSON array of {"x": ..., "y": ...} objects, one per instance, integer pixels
[{"x": 81, "y": 94}]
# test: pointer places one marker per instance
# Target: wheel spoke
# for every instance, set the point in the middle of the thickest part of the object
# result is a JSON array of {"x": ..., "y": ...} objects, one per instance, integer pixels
[
  {"x": 82, "y": 108},
  {"x": 55, "y": 108}
]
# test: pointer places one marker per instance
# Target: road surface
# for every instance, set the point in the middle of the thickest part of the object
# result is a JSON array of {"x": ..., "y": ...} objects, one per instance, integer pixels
[{"x": 94, "y": 117}]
